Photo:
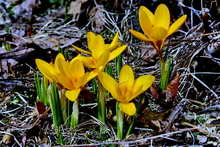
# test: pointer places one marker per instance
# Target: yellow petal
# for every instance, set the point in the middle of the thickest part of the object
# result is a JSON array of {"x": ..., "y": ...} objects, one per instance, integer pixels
[
  {"x": 99, "y": 42},
  {"x": 158, "y": 33},
  {"x": 176, "y": 25},
  {"x": 116, "y": 52},
  {"x": 124, "y": 92},
  {"x": 65, "y": 67},
  {"x": 127, "y": 75},
  {"x": 64, "y": 77},
  {"x": 87, "y": 61},
  {"x": 139, "y": 35},
  {"x": 145, "y": 80},
  {"x": 61, "y": 64},
  {"x": 128, "y": 108},
  {"x": 78, "y": 57},
  {"x": 148, "y": 13},
  {"x": 114, "y": 42},
  {"x": 162, "y": 17},
  {"x": 77, "y": 68},
  {"x": 46, "y": 69},
  {"x": 88, "y": 76},
  {"x": 77, "y": 73},
  {"x": 145, "y": 20},
  {"x": 109, "y": 84},
  {"x": 72, "y": 95},
  {"x": 81, "y": 50},
  {"x": 141, "y": 84},
  {"x": 103, "y": 59},
  {"x": 91, "y": 40},
  {"x": 59, "y": 58},
  {"x": 99, "y": 47}
]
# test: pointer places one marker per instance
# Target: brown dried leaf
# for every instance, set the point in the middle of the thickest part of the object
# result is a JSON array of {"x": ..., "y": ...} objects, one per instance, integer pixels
[
  {"x": 97, "y": 18},
  {"x": 75, "y": 8},
  {"x": 26, "y": 7},
  {"x": 157, "y": 124},
  {"x": 172, "y": 88},
  {"x": 154, "y": 92},
  {"x": 148, "y": 115},
  {"x": 54, "y": 42},
  {"x": 4, "y": 99},
  {"x": 5, "y": 64},
  {"x": 148, "y": 53},
  {"x": 40, "y": 107}
]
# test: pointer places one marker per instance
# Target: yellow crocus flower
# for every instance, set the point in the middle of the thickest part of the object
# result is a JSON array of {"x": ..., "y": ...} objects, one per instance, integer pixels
[
  {"x": 100, "y": 53},
  {"x": 71, "y": 75},
  {"x": 156, "y": 27},
  {"x": 127, "y": 88}
]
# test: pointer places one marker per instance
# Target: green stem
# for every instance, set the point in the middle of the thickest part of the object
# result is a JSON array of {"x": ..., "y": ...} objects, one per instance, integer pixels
[
  {"x": 130, "y": 127},
  {"x": 75, "y": 114},
  {"x": 64, "y": 108},
  {"x": 37, "y": 85},
  {"x": 165, "y": 68},
  {"x": 120, "y": 121},
  {"x": 55, "y": 106},
  {"x": 44, "y": 91},
  {"x": 118, "y": 64},
  {"x": 59, "y": 135},
  {"x": 41, "y": 88},
  {"x": 94, "y": 86},
  {"x": 101, "y": 102},
  {"x": 54, "y": 102}
]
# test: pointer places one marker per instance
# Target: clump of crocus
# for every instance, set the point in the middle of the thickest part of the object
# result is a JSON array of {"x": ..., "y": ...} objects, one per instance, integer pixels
[
  {"x": 127, "y": 88},
  {"x": 124, "y": 92},
  {"x": 71, "y": 75},
  {"x": 100, "y": 53},
  {"x": 156, "y": 27},
  {"x": 97, "y": 56}
]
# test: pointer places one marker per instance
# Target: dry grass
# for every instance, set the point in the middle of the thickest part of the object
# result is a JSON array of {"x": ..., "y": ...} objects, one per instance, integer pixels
[{"x": 186, "y": 48}]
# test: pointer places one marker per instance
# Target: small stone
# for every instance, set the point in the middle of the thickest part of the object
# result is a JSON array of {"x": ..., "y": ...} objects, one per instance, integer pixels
[
  {"x": 202, "y": 139},
  {"x": 7, "y": 139}
]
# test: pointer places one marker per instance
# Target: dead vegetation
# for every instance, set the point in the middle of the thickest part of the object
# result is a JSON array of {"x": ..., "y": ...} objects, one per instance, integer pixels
[{"x": 31, "y": 30}]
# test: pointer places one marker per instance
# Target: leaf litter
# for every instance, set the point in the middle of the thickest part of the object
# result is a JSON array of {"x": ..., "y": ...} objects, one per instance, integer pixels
[{"x": 28, "y": 32}]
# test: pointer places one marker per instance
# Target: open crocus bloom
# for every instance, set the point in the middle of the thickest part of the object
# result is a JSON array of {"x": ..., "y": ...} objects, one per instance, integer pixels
[
  {"x": 156, "y": 27},
  {"x": 99, "y": 53},
  {"x": 127, "y": 88},
  {"x": 71, "y": 75}
]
